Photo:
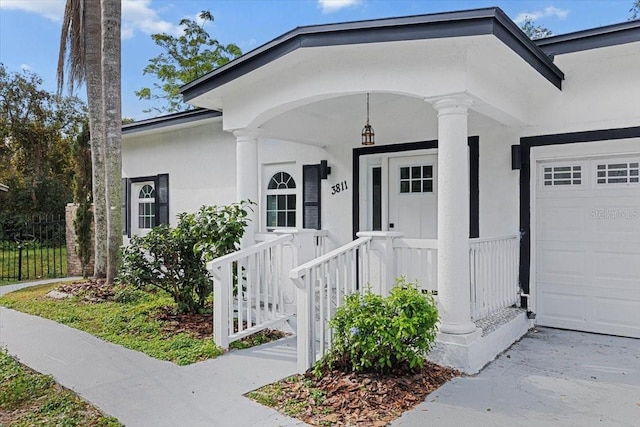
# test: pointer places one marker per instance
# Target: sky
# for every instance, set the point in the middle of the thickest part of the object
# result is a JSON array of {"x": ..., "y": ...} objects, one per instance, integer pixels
[{"x": 30, "y": 29}]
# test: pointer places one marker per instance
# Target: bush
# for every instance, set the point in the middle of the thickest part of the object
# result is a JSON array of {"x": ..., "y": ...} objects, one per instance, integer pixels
[
  {"x": 374, "y": 333},
  {"x": 173, "y": 259}
]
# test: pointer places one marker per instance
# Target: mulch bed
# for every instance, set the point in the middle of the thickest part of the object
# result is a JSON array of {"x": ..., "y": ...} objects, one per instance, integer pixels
[
  {"x": 200, "y": 325},
  {"x": 340, "y": 398},
  {"x": 91, "y": 290}
]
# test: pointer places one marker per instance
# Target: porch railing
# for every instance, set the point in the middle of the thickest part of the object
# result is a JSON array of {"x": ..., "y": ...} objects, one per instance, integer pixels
[
  {"x": 319, "y": 239},
  {"x": 374, "y": 260},
  {"x": 494, "y": 274},
  {"x": 417, "y": 260},
  {"x": 321, "y": 286},
  {"x": 248, "y": 291}
]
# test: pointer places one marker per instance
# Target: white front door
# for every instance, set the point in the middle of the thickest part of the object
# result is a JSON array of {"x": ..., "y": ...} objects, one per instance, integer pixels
[{"x": 412, "y": 187}]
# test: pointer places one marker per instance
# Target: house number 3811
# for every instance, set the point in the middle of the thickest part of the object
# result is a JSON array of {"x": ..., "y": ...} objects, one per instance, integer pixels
[{"x": 341, "y": 186}]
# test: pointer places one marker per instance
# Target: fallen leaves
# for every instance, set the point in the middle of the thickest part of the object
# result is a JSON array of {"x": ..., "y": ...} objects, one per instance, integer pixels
[{"x": 350, "y": 399}]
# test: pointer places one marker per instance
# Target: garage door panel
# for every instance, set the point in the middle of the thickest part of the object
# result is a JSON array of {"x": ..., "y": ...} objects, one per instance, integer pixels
[
  {"x": 565, "y": 219},
  {"x": 617, "y": 311},
  {"x": 568, "y": 264},
  {"x": 621, "y": 221},
  {"x": 588, "y": 251},
  {"x": 621, "y": 269},
  {"x": 560, "y": 304}
]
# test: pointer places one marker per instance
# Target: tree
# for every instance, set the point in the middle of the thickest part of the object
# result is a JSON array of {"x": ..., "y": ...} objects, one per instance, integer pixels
[
  {"x": 91, "y": 38},
  {"x": 533, "y": 31},
  {"x": 83, "y": 196},
  {"x": 37, "y": 129},
  {"x": 185, "y": 58},
  {"x": 635, "y": 10}
]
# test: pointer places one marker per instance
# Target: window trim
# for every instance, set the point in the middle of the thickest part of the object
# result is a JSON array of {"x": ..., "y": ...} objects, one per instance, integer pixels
[
  {"x": 150, "y": 200},
  {"x": 162, "y": 199}
]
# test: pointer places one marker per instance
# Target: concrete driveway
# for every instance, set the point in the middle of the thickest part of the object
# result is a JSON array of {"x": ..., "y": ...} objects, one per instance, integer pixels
[{"x": 549, "y": 378}]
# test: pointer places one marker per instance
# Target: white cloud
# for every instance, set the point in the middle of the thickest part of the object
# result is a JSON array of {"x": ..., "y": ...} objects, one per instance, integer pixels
[
  {"x": 25, "y": 67},
  {"x": 137, "y": 15},
  {"x": 329, "y": 6},
  {"x": 543, "y": 13},
  {"x": 50, "y": 9}
]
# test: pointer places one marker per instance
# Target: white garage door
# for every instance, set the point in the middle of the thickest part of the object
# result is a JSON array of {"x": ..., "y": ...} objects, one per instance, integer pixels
[{"x": 588, "y": 245}]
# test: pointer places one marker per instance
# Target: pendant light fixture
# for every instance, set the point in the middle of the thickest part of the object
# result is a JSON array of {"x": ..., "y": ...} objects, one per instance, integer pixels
[{"x": 368, "y": 135}]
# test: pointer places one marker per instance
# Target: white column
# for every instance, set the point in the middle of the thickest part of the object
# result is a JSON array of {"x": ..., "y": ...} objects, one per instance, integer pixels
[
  {"x": 247, "y": 179},
  {"x": 454, "y": 293}
]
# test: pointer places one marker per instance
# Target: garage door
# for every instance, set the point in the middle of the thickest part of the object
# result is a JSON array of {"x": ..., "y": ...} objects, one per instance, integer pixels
[{"x": 588, "y": 245}]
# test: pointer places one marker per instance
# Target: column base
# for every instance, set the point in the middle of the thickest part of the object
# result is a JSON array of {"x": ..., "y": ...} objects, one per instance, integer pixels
[
  {"x": 469, "y": 353},
  {"x": 458, "y": 328}
]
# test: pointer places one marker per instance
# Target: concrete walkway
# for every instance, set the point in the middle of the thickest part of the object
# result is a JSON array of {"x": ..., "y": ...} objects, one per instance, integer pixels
[
  {"x": 141, "y": 391},
  {"x": 550, "y": 378}
]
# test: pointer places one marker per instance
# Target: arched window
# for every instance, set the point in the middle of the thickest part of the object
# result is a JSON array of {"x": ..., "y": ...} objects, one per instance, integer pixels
[
  {"x": 146, "y": 207},
  {"x": 281, "y": 201}
]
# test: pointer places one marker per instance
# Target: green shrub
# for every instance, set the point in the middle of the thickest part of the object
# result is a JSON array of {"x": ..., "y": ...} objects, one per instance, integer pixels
[
  {"x": 173, "y": 259},
  {"x": 375, "y": 333}
]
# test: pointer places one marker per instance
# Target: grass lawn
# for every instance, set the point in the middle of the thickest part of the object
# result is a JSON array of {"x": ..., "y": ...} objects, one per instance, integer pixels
[
  {"x": 132, "y": 324},
  {"x": 37, "y": 263},
  {"x": 28, "y": 399}
]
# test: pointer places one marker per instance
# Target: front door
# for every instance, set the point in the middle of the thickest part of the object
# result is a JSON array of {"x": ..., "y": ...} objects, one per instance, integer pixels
[{"x": 412, "y": 187}]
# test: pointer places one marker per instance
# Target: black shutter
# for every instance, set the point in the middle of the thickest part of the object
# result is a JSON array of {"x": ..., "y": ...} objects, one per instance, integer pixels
[
  {"x": 126, "y": 212},
  {"x": 162, "y": 199},
  {"x": 474, "y": 187},
  {"x": 311, "y": 196}
]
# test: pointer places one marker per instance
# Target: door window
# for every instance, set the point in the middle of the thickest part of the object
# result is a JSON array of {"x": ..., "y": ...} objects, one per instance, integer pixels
[{"x": 416, "y": 179}]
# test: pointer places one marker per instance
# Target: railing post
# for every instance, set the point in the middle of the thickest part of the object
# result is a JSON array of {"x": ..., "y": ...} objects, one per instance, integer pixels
[
  {"x": 304, "y": 323},
  {"x": 221, "y": 313},
  {"x": 304, "y": 244},
  {"x": 384, "y": 242}
]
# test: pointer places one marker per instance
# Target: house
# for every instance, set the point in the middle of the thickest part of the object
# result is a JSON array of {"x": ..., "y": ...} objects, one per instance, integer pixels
[{"x": 503, "y": 171}]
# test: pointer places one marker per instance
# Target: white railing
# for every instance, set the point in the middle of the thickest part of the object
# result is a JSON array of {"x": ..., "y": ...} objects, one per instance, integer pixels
[
  {"x": 493, "y": 267},
  {"x": 321, "y": 286},
  {"x": 374, "y": 260},
  {"x": 248, "y": 291},
  {"x": 319, "y": 238},
  {"x": 417, "y": 260}
]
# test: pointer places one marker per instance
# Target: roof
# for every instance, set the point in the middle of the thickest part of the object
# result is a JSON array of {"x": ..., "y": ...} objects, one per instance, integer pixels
[
  {"x": 174, "y": 119},
  {"x": 438, "y": 25},
  {"x": 610, "y": 35}
]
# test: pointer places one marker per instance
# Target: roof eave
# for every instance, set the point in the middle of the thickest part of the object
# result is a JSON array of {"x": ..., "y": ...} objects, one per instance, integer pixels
[
  {"x": 610, "y": 35},
  {"x": 451, "y": 24},
  {"x": 174, "y": 119}
]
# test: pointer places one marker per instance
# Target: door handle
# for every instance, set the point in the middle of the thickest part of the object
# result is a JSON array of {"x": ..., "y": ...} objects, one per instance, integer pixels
[{"x": 391, "y": 225}]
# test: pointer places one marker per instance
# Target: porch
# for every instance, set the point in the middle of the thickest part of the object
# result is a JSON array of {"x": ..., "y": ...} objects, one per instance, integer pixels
[{"x": 289, "y": 278}]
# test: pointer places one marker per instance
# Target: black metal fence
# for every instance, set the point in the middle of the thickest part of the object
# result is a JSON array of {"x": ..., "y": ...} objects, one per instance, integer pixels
[{"x": 33, "y": 249}]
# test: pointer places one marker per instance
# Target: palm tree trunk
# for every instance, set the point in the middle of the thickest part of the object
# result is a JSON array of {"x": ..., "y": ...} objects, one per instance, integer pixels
[
  {"x": 93, "y": 64},
  {"x": 111, "y": 62}
]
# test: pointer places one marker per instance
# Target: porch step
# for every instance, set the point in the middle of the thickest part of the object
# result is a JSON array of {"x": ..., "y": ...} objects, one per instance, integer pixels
[
  {"x": 260, "y": 326},
  {"x": 495, "y": 321}
]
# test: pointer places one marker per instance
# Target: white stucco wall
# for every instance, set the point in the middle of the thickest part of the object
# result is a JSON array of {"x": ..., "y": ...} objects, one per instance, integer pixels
[
  {"x": 199, "y": 159},
  {"x": 601, "y": 90},
  {"x": 499, "y": 184},
  {"x": 274, "y": 155}
]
